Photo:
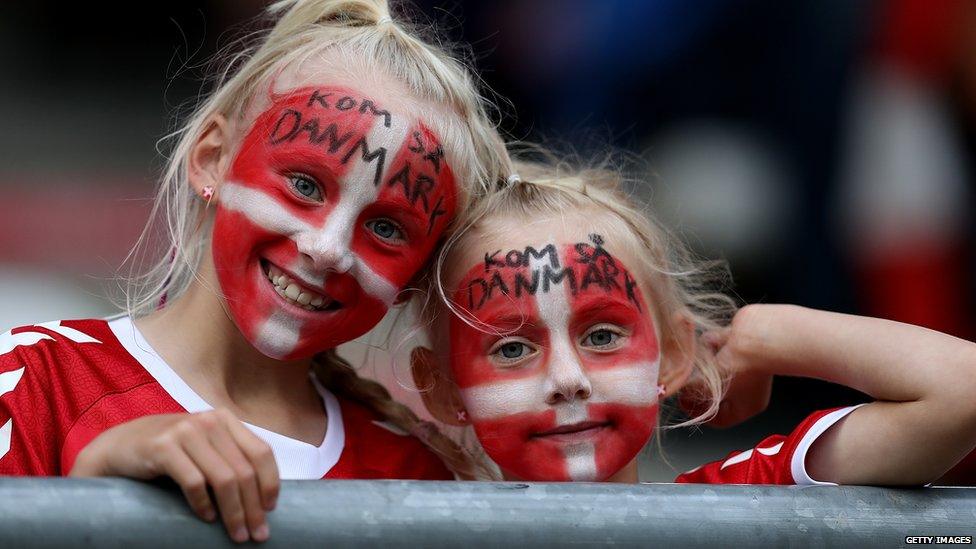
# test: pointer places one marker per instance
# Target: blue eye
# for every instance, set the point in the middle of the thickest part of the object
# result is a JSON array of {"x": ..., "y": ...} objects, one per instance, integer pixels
[
  {"x": 306, "y": 186},
  {"x": 512, "y": 350},
  {"x": 600, "y": 338},
  {"x": 385, "y": 229}
]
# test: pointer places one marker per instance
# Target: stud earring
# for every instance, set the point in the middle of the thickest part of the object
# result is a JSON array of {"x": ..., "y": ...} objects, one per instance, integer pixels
[
  {"x": 462, "y": 416},
  {"x": 661, "y": 390},
  {"x": 208, "y": 193}
]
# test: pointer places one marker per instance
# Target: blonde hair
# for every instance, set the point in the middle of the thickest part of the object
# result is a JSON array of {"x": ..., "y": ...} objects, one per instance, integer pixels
[
  {"x": 680, "y": 286},
  {"x": 363, "y": 38}
]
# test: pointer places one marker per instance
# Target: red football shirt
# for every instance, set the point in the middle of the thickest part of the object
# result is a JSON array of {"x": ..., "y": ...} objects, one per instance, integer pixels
[
  {"x": 63, "y": 383},
  {"x": 777, "y": 459}
]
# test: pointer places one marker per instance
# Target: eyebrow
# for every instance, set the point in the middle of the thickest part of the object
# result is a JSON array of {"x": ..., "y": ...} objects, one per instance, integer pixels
[
  {"x": 289, "y": 158},
  {"x": 508, "y": 321},
  {"x": 404, "y": 207},
  {"x": 611, "y": 305}
]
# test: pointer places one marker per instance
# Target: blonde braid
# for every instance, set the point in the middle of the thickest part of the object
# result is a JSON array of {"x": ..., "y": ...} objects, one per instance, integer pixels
[{"x": 337, "y": 375}]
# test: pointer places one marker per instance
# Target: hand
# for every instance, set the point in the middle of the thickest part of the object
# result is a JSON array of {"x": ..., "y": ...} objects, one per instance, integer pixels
[
  {"x": 748, "y": 390},
  {"x": 196, "y": 450}
]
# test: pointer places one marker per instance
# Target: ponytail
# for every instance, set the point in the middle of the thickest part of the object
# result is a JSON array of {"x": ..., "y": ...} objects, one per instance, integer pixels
[{"x": 295, "y": 14}]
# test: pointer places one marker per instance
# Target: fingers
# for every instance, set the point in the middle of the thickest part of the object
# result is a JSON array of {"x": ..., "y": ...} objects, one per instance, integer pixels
[
  {"x": 245, "y": 478},
  {"x": 221, "y": 478},
  {"x": 716, "y": 339},
  {"x": 261, "y": 458},
  {"x": 188, "y": 476},
  {"x": 748, "y": 395},
  {"x": 229, "y": 473}
]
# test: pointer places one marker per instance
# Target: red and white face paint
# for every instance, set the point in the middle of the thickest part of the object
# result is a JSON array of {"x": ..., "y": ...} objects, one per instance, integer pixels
[
  {"x": 331, "y": 205},
  {"x": 568, "y": 390}
]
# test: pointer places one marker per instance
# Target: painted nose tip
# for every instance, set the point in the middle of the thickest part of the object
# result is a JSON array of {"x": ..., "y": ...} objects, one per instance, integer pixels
[
  {"x": 569, "y": 392},
  {"x": 339, "y": 263},
  {"x": 345, "y": 263}
]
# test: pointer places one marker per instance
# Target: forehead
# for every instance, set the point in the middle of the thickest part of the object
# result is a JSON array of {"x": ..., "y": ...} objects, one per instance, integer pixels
[
  {"x": 548, "y": 279},
  {"x": 334, "y": 70},
  {"x": 508, "y": 233}
]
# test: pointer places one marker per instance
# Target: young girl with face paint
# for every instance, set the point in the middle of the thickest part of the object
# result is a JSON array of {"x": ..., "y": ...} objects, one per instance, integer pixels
[
  {"x": 567, "y": 317},
  {"x": 303, "y": 195}
]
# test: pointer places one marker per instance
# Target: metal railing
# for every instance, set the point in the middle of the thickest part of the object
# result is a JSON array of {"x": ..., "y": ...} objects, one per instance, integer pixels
[{"x": 51, "y": 512}]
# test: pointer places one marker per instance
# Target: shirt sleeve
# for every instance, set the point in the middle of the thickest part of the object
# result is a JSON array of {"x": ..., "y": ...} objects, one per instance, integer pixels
[
  {"x": 25, "y": 419},
  {"x": 778, "y": 459}
]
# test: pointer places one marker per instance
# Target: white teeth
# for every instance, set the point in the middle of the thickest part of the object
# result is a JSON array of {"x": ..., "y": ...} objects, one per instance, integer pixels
[{"x": 291, "y": 291}]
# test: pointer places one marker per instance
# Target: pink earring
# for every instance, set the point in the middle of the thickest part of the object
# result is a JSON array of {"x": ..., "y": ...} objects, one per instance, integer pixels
[
  {"x": 208, "y": 193},
  {"x": 462, "y": 416},
  {"x": 661, "y": 390}
]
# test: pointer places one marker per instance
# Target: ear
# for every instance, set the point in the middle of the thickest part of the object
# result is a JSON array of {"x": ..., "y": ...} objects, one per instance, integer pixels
[
  {"x": 678, "y": 354},
  {"x": 440, "y": 394},
  {"x": 210, "y": 155}
]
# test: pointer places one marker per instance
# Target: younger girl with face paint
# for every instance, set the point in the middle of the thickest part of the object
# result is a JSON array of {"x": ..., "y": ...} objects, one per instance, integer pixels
[
  {"x": 303, "y": 195},
  {"x": 567, "y": 316}
]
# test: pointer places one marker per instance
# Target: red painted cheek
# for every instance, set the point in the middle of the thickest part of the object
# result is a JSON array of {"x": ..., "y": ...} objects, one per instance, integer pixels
[
  {"x": 251, "y": 300},
  {"x": 317, "y": 337},
  {"x": 498, "y": 307},
  {"x": 633, "y": 427},
  {"x": 236, "y": 239},
  {"x": 418, "y": 192},
  {"x": 507, "y": 441},
  {"x": 603, "y": 290},
  {"x": 304, "y": 132}
]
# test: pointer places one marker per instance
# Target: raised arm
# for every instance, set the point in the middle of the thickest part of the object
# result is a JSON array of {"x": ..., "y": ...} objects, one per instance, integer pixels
[{"x": 924, "y": 418}]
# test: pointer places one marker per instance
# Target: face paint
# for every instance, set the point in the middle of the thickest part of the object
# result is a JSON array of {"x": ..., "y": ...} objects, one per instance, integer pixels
[
  {"x": 331, "y": 205},
  {"x": 569, "y": 409}
]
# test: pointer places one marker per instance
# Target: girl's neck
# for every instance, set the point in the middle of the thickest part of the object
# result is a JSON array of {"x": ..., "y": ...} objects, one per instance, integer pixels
[{"x": 195, "y": 335}]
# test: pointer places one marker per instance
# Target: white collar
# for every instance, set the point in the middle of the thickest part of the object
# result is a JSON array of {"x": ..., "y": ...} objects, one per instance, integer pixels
[{"x": 296, "y": 459}]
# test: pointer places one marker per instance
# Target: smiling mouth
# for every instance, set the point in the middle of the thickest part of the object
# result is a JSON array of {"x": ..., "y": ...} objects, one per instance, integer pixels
[
  {"x": 295, "y": 293},
  {"x": 575, "y": 431}
]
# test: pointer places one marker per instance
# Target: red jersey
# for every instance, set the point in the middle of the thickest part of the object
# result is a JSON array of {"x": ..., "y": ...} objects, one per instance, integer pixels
[
  {"x": 777, "y": 459},
  {"x": 64, "y": 383}
]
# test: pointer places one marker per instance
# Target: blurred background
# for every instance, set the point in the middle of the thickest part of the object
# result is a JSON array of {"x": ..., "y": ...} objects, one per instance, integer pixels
[{"x": 825, "y": 148}]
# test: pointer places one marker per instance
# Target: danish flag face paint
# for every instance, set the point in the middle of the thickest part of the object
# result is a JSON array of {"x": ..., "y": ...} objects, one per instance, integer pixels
[
  {"x": 564, "y": 385},
  {"x": 331, "y": 205}
]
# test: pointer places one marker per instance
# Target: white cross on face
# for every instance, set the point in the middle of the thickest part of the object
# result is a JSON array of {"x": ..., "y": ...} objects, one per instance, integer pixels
[
  {"x": 568, "y": 391},
  {"x": 332, "y": 204}
]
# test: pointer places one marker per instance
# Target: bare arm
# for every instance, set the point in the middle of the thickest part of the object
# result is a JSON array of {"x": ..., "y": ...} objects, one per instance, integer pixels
[{"x": 924, "y": 418}]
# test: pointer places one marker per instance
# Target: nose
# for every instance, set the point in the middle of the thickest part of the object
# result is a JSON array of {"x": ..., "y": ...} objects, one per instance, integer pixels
[
  {"x": 328, "y": 248},
  {"x": 567, "y": 381}
]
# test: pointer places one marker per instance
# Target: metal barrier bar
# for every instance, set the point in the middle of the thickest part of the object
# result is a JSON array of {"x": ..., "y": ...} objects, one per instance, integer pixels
[{"x": 50, "y": 512}]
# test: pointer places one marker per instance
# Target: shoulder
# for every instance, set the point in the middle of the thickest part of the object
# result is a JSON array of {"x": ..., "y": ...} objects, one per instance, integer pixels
[
  {"x": 50, "y": 373},
  {"x": 58, "y": 334},
  {"x": 777, "y": 459},
  {"x": 72, "y": 352},
  {"x": 40, "y": 347},
  {"x": 376, "y": 448}
]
